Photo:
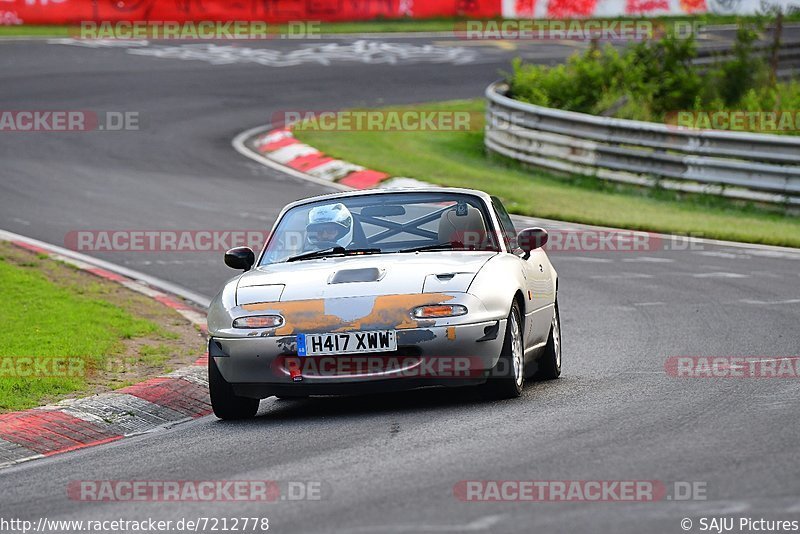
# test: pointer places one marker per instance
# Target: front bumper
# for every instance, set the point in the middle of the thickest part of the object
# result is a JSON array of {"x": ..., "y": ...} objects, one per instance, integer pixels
[{"x": 456, "y": 355}]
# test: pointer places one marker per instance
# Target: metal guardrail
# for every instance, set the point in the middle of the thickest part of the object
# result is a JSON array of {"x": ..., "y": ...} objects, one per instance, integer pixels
[
  {"x": 759, "y": 167},
  {"x": 788, "y": 55}
]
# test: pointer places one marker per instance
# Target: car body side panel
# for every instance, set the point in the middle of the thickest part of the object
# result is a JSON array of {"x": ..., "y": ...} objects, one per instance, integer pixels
[
  {"x": 497, "y": 283},
  {"x": 506, "y": 274},
  {"x": 541, "y": 284}
]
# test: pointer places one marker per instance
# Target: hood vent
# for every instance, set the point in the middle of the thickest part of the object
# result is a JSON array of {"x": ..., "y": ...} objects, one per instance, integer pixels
[{"x": 347, "y": 276}]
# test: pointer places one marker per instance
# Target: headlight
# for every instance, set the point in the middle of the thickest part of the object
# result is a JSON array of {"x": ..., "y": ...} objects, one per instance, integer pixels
[
  {"x": 439, "y": 310},
  {"x": 258, "y": 321}
]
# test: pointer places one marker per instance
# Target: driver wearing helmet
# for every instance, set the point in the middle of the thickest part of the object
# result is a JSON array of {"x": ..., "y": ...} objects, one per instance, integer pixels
[{"x": 329, "y": 226}]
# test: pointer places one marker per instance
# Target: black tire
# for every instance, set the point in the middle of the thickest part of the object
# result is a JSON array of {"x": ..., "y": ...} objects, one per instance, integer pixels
[
  {"x": 507, "y": 378},
  {"x": 226, "y": 405},
  {"x": 549, "y": 363}
]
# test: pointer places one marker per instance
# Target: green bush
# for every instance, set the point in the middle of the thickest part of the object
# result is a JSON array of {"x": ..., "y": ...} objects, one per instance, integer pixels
[
  {"x": 729, "y": 81},
  {"x": 654, "y": 78}
]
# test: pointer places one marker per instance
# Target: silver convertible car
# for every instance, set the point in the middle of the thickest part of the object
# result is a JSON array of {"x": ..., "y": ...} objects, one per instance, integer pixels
[{"x": 383, "y": 290}]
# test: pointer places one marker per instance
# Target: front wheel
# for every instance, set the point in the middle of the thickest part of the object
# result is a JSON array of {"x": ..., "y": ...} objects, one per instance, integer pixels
[
  {"x": 549, "y": 366},
  {"x": 226, "y": 405},
  {"x": 507, "y": 378}
]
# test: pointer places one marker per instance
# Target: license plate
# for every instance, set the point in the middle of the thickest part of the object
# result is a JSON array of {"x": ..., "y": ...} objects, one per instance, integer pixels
[{"x": 346, "y": 343}]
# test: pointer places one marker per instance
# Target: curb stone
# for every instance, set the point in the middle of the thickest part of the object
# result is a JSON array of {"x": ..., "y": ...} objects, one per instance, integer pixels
[
  {"x": 280, "y": 146},
  {"x": 74, "y": 424}
]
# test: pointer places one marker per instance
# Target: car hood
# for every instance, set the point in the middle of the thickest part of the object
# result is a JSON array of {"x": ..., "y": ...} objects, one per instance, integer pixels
[{"x": 372, "y": 275}]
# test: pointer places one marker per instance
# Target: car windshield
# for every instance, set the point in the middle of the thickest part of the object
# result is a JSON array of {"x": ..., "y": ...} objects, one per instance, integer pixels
[{"x": 381, "y": 223}]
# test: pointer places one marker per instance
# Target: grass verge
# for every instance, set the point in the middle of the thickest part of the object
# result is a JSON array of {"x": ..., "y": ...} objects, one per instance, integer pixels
[
  {"x": 458, "y": 159},
  {"x": 85, "y": 334}
]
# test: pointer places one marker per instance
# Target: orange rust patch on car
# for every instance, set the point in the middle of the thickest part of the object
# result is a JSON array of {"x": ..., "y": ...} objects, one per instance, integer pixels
[{"x": 388, "y": 311}]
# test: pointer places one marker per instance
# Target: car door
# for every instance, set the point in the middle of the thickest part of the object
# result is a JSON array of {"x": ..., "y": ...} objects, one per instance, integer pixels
[{"x": 538, "y": 298}]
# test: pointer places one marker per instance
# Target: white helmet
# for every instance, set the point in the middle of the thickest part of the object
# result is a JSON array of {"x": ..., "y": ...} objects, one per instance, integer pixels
[{"x": 329, "y": 226}]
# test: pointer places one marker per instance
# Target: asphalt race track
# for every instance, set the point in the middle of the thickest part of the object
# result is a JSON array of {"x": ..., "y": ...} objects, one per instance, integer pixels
[{"x": 390, "y": 463}]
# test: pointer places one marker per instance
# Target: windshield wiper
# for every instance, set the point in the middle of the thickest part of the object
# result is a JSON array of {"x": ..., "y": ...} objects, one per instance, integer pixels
[
  {"x": 435, "y": 246},
  {"x": 333, "y": 251}
]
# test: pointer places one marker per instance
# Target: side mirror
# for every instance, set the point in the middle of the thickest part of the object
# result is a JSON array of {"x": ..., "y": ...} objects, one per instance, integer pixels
[
  {"x": 531, "y": 238},
  {"x": 240, "y": 258}
]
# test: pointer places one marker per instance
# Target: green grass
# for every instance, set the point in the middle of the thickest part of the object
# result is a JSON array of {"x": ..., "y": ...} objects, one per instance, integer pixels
[
  {"x": 370, "y": 26},
  {"x": 155, "y": 356},
  {"x": 458, "y": 159},
  {"x": 42, "y": 319},
  {"x": 27, "y": 30}
]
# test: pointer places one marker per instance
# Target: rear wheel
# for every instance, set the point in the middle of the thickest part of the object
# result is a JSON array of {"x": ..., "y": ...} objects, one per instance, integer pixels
[
  {"x": 226, "y": 405},
  {"x": 549, "y": 365},
  {"x": 507, "y": 378}
]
